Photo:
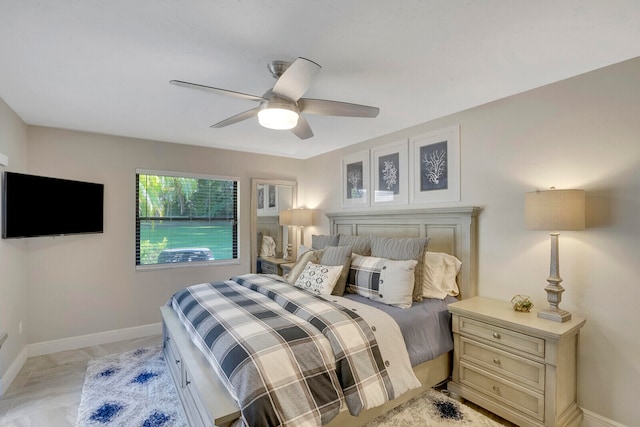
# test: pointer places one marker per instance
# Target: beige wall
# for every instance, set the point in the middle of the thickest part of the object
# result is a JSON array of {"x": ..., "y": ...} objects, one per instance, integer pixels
[
  {"x": 88, "y": 283},
  {"x": 580, "y": 133},
  {"x": 13, "y": 253}
]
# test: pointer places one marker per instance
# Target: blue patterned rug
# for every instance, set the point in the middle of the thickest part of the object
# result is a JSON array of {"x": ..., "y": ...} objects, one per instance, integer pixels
[{"x": 130, "y": 389}]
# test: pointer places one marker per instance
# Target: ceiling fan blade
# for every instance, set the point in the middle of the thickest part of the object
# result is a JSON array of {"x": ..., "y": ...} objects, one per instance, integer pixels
[
  {"x": 295, "y": 81},
  {"x": 237, "y": 118},
  {"x": 336, "y": 108},
  {"x": 217, "y": 90},
  {"x": 302, "y": 129}
]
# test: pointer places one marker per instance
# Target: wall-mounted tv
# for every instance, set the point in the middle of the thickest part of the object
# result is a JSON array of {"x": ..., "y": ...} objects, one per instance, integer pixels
[{"x": 41, "y": 206}]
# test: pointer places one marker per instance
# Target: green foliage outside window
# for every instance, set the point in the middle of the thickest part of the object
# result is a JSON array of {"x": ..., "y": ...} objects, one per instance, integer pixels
[{"x": 185, "y": 219}]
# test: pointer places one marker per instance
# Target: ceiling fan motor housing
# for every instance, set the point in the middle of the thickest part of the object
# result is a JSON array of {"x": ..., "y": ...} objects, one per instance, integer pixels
[{"x": 277, "y": 68}]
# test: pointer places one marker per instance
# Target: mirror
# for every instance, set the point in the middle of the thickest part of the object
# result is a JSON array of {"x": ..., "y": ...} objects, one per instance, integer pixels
[{"x": 268, "y": 197}]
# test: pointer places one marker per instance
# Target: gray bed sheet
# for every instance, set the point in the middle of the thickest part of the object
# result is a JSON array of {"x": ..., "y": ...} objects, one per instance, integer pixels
[{"x": 425, "y": 326}]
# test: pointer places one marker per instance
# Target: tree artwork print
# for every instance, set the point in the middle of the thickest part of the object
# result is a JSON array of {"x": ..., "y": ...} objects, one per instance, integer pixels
[
  {"x": 388, "y": 173},
  {"x": 354, "y": 180},
  {"x": 433, "y": 167}
]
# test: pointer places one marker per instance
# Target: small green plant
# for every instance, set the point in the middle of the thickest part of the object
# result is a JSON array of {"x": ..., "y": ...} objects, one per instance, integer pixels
[{"x": 522, "y": 303}]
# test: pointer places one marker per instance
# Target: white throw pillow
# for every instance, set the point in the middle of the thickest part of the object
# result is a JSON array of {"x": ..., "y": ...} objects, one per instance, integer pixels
[
  {"x": 318, "y": 278},
  {"x": 439, "y": 275},
  {"x": 268, "y": 248}
]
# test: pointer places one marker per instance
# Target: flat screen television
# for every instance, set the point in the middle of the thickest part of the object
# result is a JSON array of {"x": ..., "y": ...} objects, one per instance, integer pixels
[{"x": 41, "y": 206}]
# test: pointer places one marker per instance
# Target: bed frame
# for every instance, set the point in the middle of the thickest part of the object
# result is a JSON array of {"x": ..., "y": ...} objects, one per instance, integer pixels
[{"x": 452, "y": 230}]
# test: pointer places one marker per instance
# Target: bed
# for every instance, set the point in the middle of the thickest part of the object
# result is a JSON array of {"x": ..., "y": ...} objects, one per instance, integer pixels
[{"x": 450, "y": 230}]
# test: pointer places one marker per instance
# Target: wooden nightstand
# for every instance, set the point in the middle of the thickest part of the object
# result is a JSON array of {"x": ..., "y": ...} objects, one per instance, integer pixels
[
  {"x": 271, "y": 265},
  {"x": 514, "y": 364}
]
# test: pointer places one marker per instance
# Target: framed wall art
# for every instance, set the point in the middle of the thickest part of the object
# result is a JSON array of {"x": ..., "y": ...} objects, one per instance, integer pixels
[
  {"x": 390, "y": 174},
  {"x": 435, "y": 166},
  {"x": 355, "y": 179}
]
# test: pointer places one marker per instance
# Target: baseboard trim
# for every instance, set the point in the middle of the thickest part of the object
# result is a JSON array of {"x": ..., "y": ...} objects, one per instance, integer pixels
[
  {"x": 73, "y": 343},
  {"x": 13, "y": 371},
  {"x": 591, "y": 419}
]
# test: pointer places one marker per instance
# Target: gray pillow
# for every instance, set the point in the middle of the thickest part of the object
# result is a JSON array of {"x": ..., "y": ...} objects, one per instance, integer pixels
[
  {"x": 338, "y": 255},
  {"x": 360, "y": 245},
  {"x": 321, "y": 241},
  {"x": 399, "y": 249}
]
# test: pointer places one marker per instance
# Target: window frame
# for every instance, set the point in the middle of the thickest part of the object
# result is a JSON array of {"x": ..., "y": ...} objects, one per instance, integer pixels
[{"x": 162, "y": 266}]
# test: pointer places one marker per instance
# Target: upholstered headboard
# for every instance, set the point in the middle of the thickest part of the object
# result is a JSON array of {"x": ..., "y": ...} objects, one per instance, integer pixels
[{"x": 451, "y": 230}]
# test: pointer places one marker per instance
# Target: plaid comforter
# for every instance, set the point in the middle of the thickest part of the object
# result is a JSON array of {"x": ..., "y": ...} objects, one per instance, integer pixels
[{"x": 287, "y": 356}]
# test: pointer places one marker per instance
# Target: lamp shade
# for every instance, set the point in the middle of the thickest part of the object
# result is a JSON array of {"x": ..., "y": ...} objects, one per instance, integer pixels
[
  {"x": 284, "y": 217},
  {"x": 299, "y": 217},
  {"x": 555, "y": 210}
]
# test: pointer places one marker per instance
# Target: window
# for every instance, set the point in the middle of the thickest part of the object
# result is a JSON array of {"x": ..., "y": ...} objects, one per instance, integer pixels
[{"x": 183, "y": 218}]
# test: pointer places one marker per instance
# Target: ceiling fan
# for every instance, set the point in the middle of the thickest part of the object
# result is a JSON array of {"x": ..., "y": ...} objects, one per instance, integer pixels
[{"x": 280, "y": 107}]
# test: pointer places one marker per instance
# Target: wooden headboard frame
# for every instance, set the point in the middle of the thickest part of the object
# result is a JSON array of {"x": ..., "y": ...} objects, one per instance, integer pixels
[{"x": 450, "y": 230}]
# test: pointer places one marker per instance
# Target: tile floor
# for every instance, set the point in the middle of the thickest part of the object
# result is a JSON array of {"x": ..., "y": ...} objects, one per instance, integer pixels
[{"x": 47, "y": 390}]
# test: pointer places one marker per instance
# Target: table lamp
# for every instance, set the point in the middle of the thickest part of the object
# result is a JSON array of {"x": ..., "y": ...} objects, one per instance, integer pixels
[
  {"x": 555, "y": 210},
  {"x": 298, "y": 218}
]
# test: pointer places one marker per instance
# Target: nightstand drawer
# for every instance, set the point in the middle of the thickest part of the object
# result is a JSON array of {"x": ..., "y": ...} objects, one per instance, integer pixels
[
  {"x": 501, "y": 336},
  {"x": 269, "y": 268},
  {"x": 498, "y": 389},
  {"x": 518, "y": 369}
]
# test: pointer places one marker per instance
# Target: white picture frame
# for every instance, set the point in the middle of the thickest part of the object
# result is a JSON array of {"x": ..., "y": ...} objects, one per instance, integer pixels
[
  {"x": 355, "y": 179},
  {"x": 390, "y": 174},
  {"x": 435, "y": 166}
]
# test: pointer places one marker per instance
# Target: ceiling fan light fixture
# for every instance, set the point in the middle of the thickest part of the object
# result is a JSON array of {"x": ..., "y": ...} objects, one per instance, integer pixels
[{"x": 278, "y": 115}]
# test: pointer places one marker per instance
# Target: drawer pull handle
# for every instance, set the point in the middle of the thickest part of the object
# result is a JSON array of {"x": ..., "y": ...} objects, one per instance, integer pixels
[
  {"x": 496, "y": 389},
  {"x": 496, "y": 361},
  {"x": 177, "y": 362},
  {"x": 187, "y": 382},
  {"x": 496, "y": 335}
]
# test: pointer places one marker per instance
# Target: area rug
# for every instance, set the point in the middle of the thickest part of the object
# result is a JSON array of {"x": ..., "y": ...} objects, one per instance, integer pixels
[
  {"x": 130, "y": 389},
  {"x": 432, "y": 409},
  {"x": 135, "y": 389}
]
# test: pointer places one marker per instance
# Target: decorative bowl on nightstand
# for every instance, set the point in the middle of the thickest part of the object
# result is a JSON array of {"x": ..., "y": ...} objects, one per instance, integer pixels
[{"x": 522, "y": 303}]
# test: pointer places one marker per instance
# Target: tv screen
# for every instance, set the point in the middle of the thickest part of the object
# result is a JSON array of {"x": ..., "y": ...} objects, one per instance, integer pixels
[{"x": 42, "y": 206}]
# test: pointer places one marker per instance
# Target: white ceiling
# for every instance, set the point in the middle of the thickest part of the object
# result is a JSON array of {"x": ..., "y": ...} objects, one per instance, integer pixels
[{"x": 104, "y": 66}]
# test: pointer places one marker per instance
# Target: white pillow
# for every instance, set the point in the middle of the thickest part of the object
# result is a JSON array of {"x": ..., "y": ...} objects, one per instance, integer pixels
[
  {"x": 268, "y": 248},
  {"x": 439, "y": 275},
  {"x": 318, "y": 278},
  {"x": 383, "y": 280}
]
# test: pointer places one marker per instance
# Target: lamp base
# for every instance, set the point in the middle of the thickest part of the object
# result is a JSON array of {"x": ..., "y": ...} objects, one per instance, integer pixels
[
  {"x": 287, "y": 253},
  {"x": 558, "y": 315},
  {"x": 554, "y": 290}
]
